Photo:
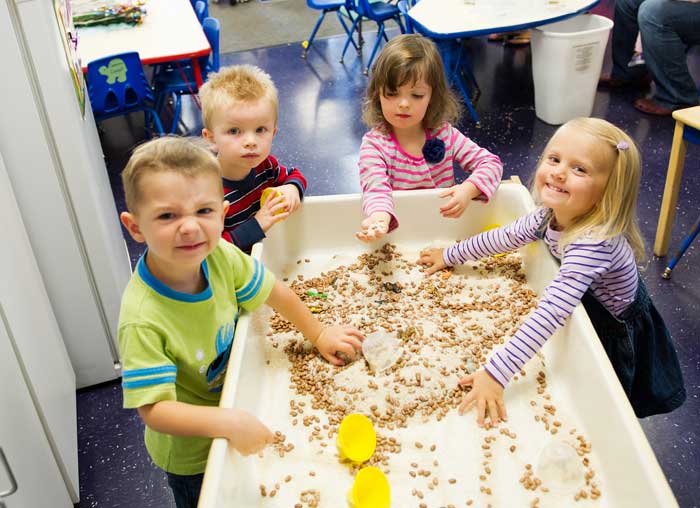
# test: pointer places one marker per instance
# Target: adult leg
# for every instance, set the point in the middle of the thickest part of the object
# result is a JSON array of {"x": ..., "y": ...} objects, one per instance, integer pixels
[
  {"x": 668, "y": 28},
  {"x": 624, "y": 36}
]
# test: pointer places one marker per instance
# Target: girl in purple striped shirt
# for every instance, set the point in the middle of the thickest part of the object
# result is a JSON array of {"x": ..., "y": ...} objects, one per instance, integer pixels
[
  {"x": 412, "y": 143},
  {"x": 586, "y": 182}
]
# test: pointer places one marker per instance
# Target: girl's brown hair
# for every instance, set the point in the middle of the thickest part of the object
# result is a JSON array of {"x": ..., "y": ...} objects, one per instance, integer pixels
[{"x": 407, "y": 59}]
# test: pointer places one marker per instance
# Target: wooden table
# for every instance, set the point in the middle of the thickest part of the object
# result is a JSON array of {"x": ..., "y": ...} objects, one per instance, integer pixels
[
  {"x": 687, "y": 130},
  {"x": 170, "y": 31}
]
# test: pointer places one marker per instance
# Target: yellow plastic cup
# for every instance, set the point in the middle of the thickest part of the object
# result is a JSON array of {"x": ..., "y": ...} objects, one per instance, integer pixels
[
  {"x": 370, "y": 489},
  {"x": 357, "y": 439},
  {"x": 270, "y": 193},
  {"x": 489, "y": 228}
]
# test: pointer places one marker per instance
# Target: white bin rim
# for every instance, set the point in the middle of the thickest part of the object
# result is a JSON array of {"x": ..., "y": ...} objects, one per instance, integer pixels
[{"x": 584, "y": 24}]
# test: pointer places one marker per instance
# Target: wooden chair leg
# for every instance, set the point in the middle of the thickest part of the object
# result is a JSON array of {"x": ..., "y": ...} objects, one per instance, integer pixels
[{"x": 670, "y": 198}]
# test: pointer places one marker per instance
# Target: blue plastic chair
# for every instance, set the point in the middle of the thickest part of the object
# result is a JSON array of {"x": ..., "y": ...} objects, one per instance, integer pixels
[
  {"x": 326, "y": 6},
  {"x": 178, "y": 79},
  {"x": 379, "y": 12},
  {"x": 118, "y": 86},
  {"x": 200, "y": 9},
  {"x": 206, "y": 8},
  {"x": 404, "y": 6}
]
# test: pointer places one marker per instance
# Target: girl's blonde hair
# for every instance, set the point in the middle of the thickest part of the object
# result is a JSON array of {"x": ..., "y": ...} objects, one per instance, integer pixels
[
  {"x": 237, "y": 83},
  {"x": 407, "y": 59},
  {"x": 185, "y": 156},
  {"x": 615, "y": 213}
]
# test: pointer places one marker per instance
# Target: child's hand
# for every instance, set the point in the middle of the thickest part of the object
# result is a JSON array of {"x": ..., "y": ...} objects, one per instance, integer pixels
[
  {"x": 460, "y": 197},
  {"x": 335, "y": 339},
  {"x": 291, "y": 196},
  {"x": 272, "y": 212},
  {"x": 247, "y": 434},
  {"x": 374, "y": 227},
  {"x": 487, "y": 394},
  {"x": 433, "y": 259}
]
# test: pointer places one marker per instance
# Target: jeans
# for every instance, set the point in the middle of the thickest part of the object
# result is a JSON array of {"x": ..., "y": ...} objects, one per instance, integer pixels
[
  {"x": 668, "y": 29},
  {"x": 185, "y": 489}
]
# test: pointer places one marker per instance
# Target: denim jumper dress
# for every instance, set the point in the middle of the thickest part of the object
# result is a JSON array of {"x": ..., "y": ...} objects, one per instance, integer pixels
[{"x": 639, "y": 347}]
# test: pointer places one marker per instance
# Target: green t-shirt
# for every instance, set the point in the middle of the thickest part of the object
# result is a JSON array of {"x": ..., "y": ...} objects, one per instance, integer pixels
[{"x": 175, "y": 346}]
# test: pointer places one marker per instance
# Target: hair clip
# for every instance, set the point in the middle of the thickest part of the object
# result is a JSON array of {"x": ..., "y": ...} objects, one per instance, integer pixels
[{"x": 622, "y": 145}]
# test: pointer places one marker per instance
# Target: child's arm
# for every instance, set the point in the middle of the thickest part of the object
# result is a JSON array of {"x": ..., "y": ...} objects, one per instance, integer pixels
[
  {"x": 329, "y": 340},
  {"x": 581, "y": 265},
  {"x": 291, "y": 182},
  {"x": 243, "y": 430},
  {"x": 486, "y": 171},
  {"x": 377, "y": 202},
  {"x": 495, "y": 241},
  {"x": 485, "y": 167}
]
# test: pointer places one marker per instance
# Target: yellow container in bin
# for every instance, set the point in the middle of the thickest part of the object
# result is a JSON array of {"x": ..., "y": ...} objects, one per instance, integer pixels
[
  {"x": 370, "y": 489},
  {"x": 357, "y": 438}
]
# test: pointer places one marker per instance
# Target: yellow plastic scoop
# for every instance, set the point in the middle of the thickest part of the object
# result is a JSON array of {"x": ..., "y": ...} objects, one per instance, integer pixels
[
  {"x": 370, "y": 489},
  {"x": 270, "y": 193},
  {"x": 356, "y": 438}
]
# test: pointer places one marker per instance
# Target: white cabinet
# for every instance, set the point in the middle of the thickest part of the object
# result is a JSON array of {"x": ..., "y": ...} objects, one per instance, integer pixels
[
  {"x": 38, "y": 420},
  {"x": 26, "y": 450}
]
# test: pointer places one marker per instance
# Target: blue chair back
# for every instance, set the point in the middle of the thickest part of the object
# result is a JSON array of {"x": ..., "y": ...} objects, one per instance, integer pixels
[
  {"x": 117, "y": 84},
  {"x": 211, "y": 63},
  {"x": 200, "y": 10},
  {"x": 206, "y": 7}
]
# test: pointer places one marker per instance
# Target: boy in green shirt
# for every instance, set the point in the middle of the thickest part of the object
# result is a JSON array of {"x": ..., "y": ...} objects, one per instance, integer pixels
[{"x": 179, "y": 312}]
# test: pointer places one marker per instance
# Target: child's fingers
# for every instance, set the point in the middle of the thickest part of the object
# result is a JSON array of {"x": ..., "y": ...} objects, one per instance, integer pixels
[
  {"x": 446, "y": 192},
  {"x": 480, "y": 411},
  {"x": 354, "y": 343},
  {"x": 493, "y": 412},
  {"x": 432, "y": 269},
  {"x": 467, "y": 380},
  {"x": 449, "y": 205},
  {"x": 502, "y": 410},
  {"x": 466, "y": 403},
  {"x": 334, "y": 359},
  {"x": 354, "y": 332}
]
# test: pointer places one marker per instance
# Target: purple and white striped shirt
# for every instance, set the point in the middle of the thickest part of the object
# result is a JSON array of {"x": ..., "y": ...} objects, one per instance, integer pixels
[
  {"x": 385, "y": 166},
  {"x": 608, "y": 267}
]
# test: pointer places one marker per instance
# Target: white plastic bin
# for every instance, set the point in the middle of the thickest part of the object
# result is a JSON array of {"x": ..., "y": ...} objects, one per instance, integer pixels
[{"x": 567, "y": 57}]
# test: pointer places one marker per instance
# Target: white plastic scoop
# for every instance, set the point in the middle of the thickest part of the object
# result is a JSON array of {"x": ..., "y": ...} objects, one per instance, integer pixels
[{"x": 381, "y": 350}]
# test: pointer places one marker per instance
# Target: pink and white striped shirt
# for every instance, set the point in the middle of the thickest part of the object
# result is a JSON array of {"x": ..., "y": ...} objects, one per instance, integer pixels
[
  {"x": 385, "y": 166},
  {"x": 607, "y": 267}
]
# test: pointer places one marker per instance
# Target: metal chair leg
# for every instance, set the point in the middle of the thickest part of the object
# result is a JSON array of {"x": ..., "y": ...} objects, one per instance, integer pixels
[{"x": 684, "y": 246}]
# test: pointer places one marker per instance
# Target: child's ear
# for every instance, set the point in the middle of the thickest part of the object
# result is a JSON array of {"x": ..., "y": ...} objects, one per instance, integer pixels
[
  {"x": 274, "y": 132},
  {"x": 209, "y": 136},
  {"x": 132, "y": 226}
]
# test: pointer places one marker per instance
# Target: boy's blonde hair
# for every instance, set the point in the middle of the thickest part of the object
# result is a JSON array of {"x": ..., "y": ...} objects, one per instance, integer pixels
[
  {"x": 237, "y": 83},
  {"x": 185, "y": 156},
  {"x": 406, "y": 59},
  {"x": 615, "y": 213}
]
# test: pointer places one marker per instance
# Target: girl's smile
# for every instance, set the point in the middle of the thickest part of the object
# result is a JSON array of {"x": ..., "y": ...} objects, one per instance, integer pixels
[{"x": 573, "y": 174}]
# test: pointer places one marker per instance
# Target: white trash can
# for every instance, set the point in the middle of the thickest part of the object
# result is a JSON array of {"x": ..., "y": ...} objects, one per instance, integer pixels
[{"x": 567, "y": 57}]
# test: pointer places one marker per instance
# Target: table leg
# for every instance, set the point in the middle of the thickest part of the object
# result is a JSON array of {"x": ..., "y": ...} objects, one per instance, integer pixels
[
  {"x": 451, "y": 53},
  {"x": 197, "y": 72},
  {"x": 670, "y": 199}
]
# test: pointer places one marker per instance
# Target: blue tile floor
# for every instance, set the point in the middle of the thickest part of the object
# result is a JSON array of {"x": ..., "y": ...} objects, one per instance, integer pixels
[{"x": 320, "y": 131}]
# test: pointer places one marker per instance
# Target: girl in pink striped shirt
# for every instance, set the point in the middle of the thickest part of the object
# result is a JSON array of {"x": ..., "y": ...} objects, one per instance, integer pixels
[
  {"x": 587, "y": 183},
  {"x": 412, "y": 143}
]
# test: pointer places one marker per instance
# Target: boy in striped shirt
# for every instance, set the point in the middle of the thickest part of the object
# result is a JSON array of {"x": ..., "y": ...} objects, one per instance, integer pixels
[{"x": 239, "y": 109}]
